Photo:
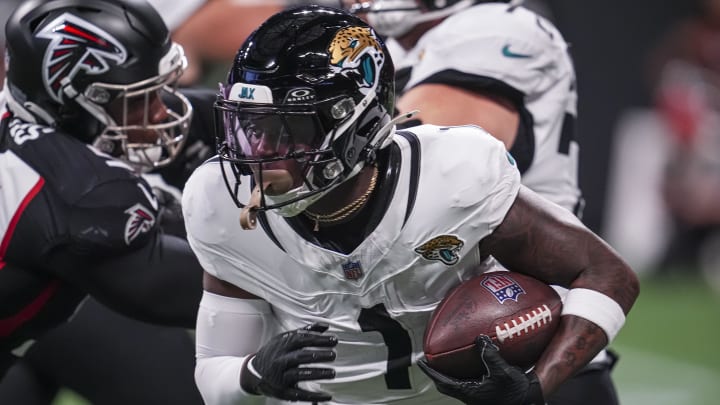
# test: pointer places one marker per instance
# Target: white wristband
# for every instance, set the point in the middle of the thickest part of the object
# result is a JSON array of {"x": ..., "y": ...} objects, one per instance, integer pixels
[{"x": 597, "y": 308}]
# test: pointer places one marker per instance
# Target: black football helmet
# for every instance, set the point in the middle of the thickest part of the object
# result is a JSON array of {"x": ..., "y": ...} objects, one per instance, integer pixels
[
  {"x": 395, "y": 18},
  {"x": 313, "y": 88},
  {"x": 71, "y": 61}
]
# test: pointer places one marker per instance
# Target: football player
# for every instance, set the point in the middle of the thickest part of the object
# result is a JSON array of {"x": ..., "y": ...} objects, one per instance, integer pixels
[
  {"x": 350, "y": 233},
  {"x": 88, "y": 89},
  {"x": 498, "y": 65},
  {"x": 493, "y": 64}
]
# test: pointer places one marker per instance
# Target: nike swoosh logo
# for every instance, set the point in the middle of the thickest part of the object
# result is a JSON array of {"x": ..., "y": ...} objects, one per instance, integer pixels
[{"x": 510, "y": 54}]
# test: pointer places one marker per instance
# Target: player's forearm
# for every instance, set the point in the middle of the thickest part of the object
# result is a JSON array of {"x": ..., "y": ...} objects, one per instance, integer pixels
[
  {"x": 159, "y": 283},
  {"x": 604, "y": 271},
  {"x": 560, "y": 250},
  {"x": 574, "y": 345},
  {"x": 218, "y": 380},
  {"x": 593, "y": 313},
  {"x": 228, "y": 331}
]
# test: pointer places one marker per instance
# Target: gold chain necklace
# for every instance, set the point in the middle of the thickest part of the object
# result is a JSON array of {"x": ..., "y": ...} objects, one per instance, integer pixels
[{"x": 347, "y": 210}]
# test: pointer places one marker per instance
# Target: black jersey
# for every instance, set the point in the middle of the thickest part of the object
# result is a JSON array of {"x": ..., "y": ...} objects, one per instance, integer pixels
[
  {"x": 74, "y": 221},
  {"x": 61, "y": 193}
]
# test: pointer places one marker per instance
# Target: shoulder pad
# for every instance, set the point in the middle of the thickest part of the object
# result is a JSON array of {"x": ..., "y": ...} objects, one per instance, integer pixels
[{"x": 115, "y": 216}]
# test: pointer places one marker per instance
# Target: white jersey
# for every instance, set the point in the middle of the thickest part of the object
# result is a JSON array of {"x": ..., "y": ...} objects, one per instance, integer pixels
[
  {"x": 452, "y": 191},
  {"x": 522, "y": 56},
  {"x": 3, "y": 100},
  {"x": 175, "y": 13}
]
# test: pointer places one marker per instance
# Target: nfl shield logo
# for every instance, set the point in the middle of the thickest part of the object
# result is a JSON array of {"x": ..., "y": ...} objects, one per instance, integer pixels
[
  {"x": 352, "y": 270},
  {"x": 502, "y": 287}
]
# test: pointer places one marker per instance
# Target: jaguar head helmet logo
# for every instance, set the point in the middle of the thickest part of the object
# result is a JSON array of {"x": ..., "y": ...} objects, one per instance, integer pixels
[{"x": 356, "y": 52}]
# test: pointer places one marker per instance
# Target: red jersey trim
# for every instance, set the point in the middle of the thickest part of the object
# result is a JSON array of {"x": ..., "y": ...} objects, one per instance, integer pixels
[
  {"x": 16, "y": 217},
  {"x": 9, "y": 325}
]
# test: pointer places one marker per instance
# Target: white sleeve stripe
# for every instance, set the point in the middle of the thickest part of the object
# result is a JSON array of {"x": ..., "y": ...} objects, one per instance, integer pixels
[{"x": 597, "y": 308}]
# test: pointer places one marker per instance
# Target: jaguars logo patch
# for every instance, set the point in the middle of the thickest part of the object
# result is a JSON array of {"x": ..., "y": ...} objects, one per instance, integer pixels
[
  {"x": 445, "y": 248},
  {"x": 356, "y": 53}
]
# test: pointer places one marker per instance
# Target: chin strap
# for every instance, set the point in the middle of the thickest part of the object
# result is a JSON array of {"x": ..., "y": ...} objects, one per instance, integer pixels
[
  {"x": 275, "y": 181},
  {"x": 248, "y": 215},
  {"x": 93, "y": 109},
  {"x": 27, "y": 111}
]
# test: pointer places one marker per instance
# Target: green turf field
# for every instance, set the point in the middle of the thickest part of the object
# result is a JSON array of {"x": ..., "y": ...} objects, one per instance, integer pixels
[{"x": 669, "y": 346}]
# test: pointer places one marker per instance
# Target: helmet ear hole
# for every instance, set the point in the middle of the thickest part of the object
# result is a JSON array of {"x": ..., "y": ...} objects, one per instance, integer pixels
[
  {"x": 342, "y": 108},
  {"x": 332, "y": 170},
  {"x": 97, "y": 95}
]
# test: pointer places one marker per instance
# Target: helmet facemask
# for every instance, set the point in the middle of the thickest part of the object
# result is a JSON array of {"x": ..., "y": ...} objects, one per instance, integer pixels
[
  {"x": 131, "y": 133},
  {"x": 395, "y": 18}
]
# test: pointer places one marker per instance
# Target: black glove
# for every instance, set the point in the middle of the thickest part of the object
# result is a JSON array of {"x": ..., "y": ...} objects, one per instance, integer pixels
[
  {"x": 502, "y": 383},
  {"x": 274, "y": 370}
]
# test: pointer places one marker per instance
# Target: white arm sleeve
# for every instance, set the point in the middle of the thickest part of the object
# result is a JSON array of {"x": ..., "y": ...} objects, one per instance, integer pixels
[{"x": 228, "y": 330}]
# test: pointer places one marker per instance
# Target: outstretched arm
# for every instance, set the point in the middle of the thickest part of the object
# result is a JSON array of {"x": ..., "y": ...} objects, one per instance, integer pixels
[{"x": 161, "y": 282}]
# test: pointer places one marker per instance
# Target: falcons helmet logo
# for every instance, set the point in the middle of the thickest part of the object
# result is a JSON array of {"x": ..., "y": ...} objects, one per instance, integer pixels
[
  {"x": 76, "y": 45},
  {"x": 141, "y": 220}
]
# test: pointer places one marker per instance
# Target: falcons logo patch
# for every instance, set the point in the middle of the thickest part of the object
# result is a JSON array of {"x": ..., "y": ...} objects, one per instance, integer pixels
[
  {"x": 76, "y": 45},
  {"x": 141, "y": 220}
]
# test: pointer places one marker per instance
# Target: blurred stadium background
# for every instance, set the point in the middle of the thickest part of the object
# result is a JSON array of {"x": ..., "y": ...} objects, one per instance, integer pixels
[{"x": 668, "y": 347}]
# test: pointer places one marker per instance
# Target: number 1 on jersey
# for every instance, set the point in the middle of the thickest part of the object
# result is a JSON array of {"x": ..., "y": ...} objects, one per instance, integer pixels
[{"x": 397, "y": 340}]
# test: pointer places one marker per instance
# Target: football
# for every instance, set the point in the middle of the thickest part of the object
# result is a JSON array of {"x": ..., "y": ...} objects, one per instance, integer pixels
[{"x": 519, "y": 313}]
